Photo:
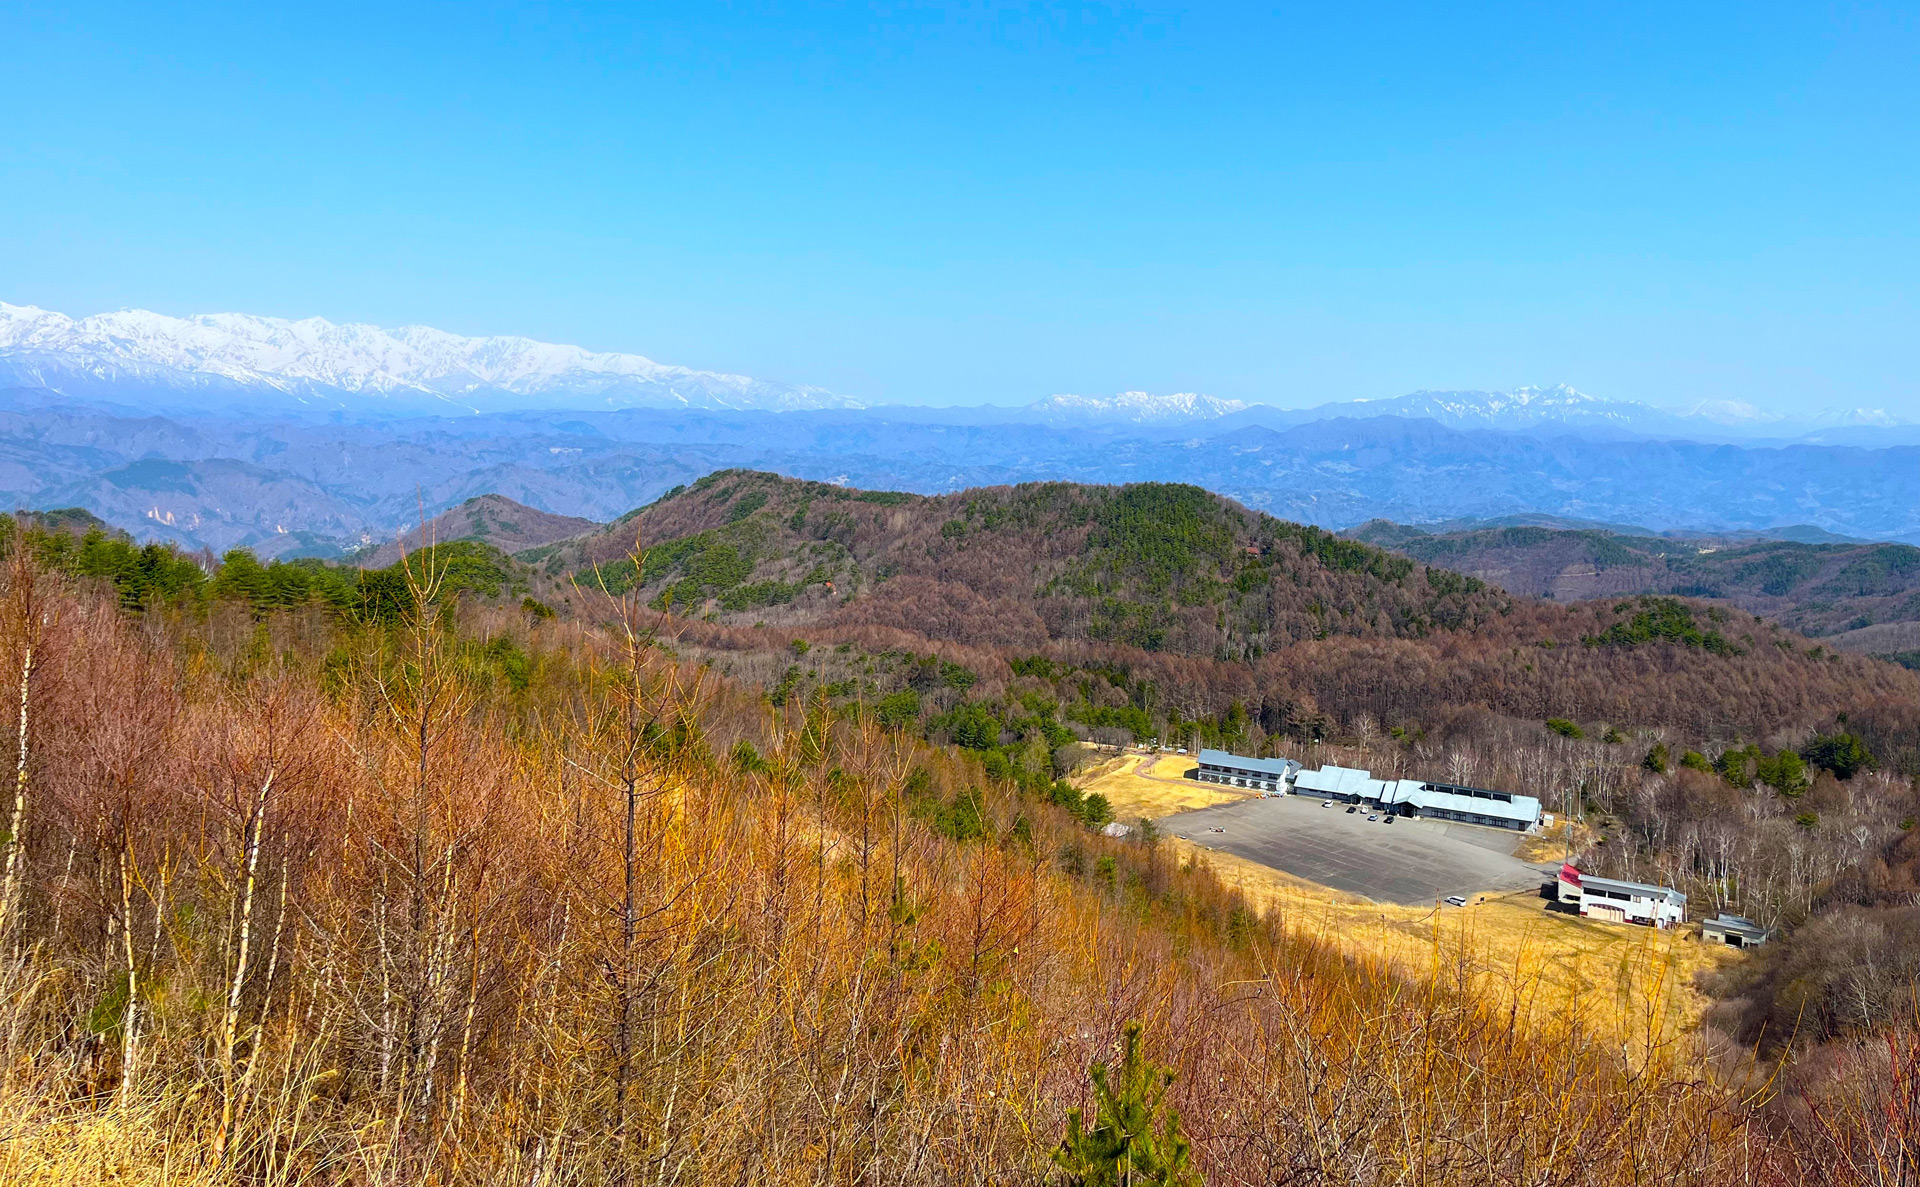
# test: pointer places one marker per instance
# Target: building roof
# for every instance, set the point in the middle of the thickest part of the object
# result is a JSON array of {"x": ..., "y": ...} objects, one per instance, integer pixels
[
  {"x": 1340, "y": 781},
  {"x": 1279, "y": 768},
  {"x": 1448, "y": 798},
  {"x": 1638, "y": 889},
  {"x": 1738, "y": 924}
]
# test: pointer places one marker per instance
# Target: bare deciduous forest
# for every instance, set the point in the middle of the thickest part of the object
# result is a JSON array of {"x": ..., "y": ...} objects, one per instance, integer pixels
[{"x": 461, "y": 892}]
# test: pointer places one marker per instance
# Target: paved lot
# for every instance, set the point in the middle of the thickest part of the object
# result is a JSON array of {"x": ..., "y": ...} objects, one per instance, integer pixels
[{"x": 1408, "y": 861}]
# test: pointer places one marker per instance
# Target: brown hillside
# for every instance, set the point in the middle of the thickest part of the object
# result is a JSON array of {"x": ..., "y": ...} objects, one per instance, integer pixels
[
  {"x": 1160, "y": 567},
  {"x": 491, "y": 519},
  {"x": 1821, "y": 589},
  {"x": 1208, "y": 601},
  {"x": 521, "y": 904}
]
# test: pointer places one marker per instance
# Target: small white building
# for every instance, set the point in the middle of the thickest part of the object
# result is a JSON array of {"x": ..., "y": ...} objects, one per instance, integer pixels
[
  {"x": 1735, "y": 931},
  {"x": 1622, "y": 902},
  {"x": 1274, "y": 776}
]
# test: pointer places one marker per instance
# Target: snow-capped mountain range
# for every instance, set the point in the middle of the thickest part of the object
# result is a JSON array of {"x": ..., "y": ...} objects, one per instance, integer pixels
[
  {"x": 1139, "y": 407},
  {"x": 241, "y": 363},
  {"x": 178, "y": 427},
  {"x": 1522, "y": 407},
  {"x": 227, "y": 359}
]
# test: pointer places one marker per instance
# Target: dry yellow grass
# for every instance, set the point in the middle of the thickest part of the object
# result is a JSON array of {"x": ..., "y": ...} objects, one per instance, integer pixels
[
  {"x": 1633, "y": 985},
  {"x": 1551, "y": 844},
  {"x": 79, "y": 1146},
  {"x": 1153, "y": 786},
  {"x": 1538, "y": 963}
]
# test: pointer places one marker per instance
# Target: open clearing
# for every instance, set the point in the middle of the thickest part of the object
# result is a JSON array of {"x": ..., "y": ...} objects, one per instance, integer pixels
[
  {"x": 1409, "y": 861},
  {"x": 1153, "y": 786},
  {"x": 1634, "y": 985}
]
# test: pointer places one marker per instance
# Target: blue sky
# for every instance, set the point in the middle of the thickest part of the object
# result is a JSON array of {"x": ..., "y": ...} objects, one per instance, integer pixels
[{"x": 966, "y": 204}]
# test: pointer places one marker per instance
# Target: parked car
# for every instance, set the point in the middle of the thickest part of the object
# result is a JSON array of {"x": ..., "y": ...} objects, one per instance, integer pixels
[
  {"x": 1352, "y": 808},
  {"x": 1389, "y": 820},
  {"x": 1454, "y": 900},
  {"x": 1326, "y": 804},
  {"x": 1373, "y": 816}
]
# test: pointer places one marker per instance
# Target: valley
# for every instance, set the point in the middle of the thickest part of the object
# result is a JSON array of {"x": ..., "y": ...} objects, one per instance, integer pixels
[{"x": 949, "y": 686}]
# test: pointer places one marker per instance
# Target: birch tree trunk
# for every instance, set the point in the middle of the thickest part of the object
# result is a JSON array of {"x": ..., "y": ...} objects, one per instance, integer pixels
[
  {"x": 230, "y": 1025},
  {"x": 16, "y": 843}
]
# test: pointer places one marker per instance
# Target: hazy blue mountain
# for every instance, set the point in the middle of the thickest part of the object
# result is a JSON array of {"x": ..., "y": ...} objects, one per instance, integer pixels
[
  {"x": 230, "y": 429},
  {"x": 1333, "y": 471},
  {"x": 1560, "y": 409},
  {"x": 314, "y": 483}
]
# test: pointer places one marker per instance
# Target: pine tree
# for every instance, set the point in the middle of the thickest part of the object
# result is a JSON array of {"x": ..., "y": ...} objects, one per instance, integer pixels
[{"x": 1135, "y": 1140}]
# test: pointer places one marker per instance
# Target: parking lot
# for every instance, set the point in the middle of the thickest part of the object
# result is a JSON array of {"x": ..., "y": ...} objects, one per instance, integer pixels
[{"x": 1408, "y": 861}]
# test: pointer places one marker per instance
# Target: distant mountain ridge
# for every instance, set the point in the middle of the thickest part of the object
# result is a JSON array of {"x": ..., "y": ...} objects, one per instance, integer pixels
[
  {"x": 1522, "y": 407},
  {"x": 311, "y": 486},
  {"x": 1139, "y": 407},
  {"x": 1857, "y": 592},
  {"x": 237, "y": 362},
  {"x": 1385, "y": 532},
  {"x": 1561, "y": 408},
  {"x": 312, "y": 438},
  {"x": 229, "y": 358}
]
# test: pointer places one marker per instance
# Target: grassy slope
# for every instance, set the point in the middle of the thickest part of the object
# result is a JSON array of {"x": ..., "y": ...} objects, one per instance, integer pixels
[
  {"x": 1636, "y": 984},
  {"x": 1626, "y": 985},
  {"x": 1153, "y": 786}
]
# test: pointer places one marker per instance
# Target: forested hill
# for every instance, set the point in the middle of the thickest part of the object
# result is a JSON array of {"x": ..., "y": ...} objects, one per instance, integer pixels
[
  {"x": 1859, "y": 596},
  {"x": 494, "y": 520},
  {"x": 1181, "y": 607},
  {"x": 1193, "y": 604},
  {"x": 1159, "y": 567}
]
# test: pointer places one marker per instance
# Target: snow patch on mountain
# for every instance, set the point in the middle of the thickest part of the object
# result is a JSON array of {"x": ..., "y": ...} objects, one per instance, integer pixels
[
  {"x": 1138, "y": 406},
  {"x": 1521, "y": 407},
  {"x": 316, "y": 361}
]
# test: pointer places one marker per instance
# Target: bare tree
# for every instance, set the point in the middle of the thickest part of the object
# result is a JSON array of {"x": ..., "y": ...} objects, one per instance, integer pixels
[{"x": 25, "y": 618}]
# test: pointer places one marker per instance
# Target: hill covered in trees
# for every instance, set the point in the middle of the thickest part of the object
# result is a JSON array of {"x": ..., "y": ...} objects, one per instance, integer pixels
[
  {"x": 493, "y": 520},
  {"x": 443, "y": 888},
  {"x": 1204, "y": 603},
  {"x": 1153, "y": 566},
  {"x": 1866, "y": 597},
  {"x": 983, "y": 636}
]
